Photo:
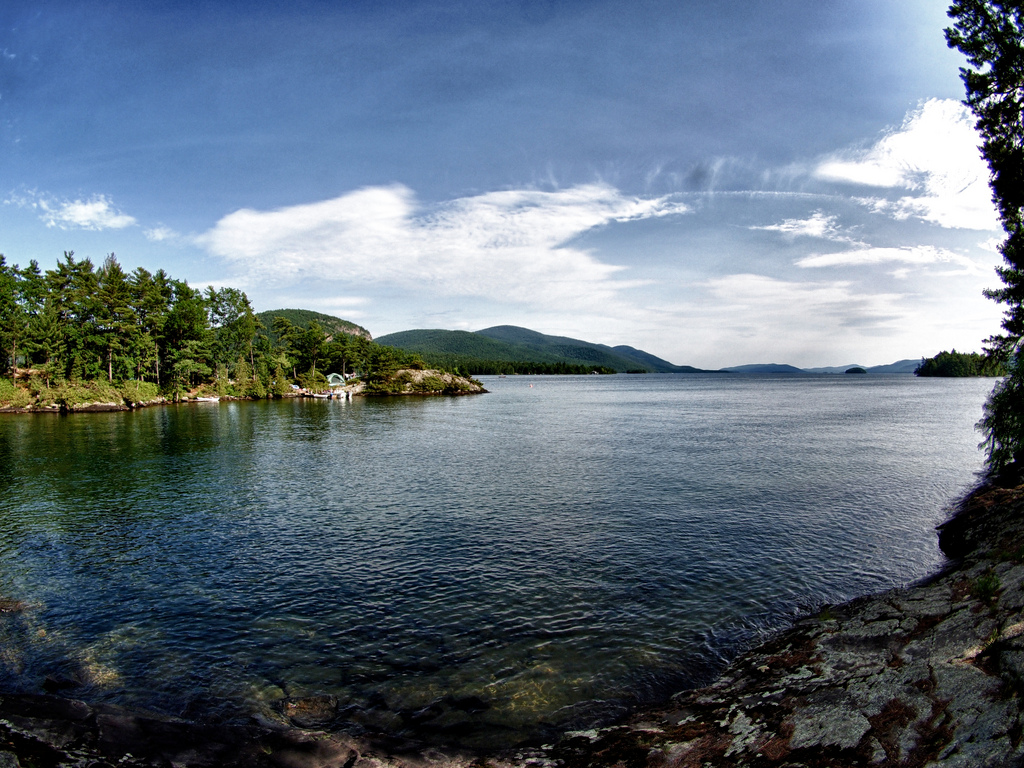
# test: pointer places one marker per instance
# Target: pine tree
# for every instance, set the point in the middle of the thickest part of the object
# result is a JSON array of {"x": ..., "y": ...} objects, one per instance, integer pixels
[{"x": 990, "y": 33}]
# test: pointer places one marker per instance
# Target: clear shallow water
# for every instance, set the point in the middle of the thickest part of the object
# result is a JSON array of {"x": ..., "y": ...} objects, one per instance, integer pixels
[{"x": 467, "y": 570}]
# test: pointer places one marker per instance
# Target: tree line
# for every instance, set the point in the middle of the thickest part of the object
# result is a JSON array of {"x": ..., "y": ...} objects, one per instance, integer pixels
[
  {"x": 960, "y": 364},
  {"x": 76, "y": 322},
  {"x": 473, "y": 366}
]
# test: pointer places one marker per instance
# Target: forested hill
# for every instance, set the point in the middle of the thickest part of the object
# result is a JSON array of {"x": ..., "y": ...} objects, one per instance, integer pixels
[
  {"x": 303, "y": 317},
  {"x": 512, "y": 344}
]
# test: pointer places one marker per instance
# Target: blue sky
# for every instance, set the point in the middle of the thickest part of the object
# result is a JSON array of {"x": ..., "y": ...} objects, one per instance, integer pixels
[{"x": 716, "y": 182}]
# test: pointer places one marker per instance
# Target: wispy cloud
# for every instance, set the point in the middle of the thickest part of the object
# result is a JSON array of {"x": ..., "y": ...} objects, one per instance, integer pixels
[
  {"x": 915, "y": 255},
  {"x": 818, "y": 225},
  {"x": 935, "y": 156},
  {"x": 510, "y": 245},
  {"x": 991, "y": 244},
  {"x": 95, "y": 213},
  {"x": 160, "y": 234}
]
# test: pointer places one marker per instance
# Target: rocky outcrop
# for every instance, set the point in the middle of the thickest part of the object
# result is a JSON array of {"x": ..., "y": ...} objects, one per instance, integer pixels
[
  {"x": 929, "y": 675},
  {"x": 412, "y": 381},
  {"x": 97, "y": 407}
]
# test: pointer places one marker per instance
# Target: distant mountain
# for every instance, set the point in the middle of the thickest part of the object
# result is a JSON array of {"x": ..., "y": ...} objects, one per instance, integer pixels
[
  {"x": 436, "y": 341},
  {"x": 621, "y": 358},
  {"x": 332, "y": 325},
  {"x": 900, "y": 366},
  {"x": 652, "y": 363},
  {"x": 509, "y": 343},
  {"x": 764, "y": 368}
]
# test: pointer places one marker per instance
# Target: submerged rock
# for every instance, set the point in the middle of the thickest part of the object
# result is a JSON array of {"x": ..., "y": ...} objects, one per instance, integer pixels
[{"x": 311, "y": 711}]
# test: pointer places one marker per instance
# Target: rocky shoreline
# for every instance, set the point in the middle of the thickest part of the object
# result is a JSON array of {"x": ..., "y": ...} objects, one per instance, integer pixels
[
  {"x": 928, "y": 675},
  {"x": 406, "y": 382}
]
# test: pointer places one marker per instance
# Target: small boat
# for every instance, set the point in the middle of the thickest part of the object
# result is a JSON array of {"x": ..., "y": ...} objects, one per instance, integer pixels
[{"x": 207, "y": 399}]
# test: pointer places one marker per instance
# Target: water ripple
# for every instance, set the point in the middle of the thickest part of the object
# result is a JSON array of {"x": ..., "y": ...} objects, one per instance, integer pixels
[{"x": 467, "y": 569}]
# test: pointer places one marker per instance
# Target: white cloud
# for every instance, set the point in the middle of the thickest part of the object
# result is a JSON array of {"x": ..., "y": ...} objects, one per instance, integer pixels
[
  {"x": 753, "y": 318},
  {"x": 818, "y": 225},
  {"x": 935, "y": 155},
  {"x": 96, "y": 213},
  {"x": 505, "y": 246},
  {"x": 916, "y": 255}
]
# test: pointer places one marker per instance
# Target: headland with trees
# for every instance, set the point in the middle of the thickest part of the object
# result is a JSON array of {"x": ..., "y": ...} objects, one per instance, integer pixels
[{"x": 77, "y": 333}]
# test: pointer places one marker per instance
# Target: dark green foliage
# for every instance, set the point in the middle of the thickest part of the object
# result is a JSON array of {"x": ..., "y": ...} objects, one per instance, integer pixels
[
  {"x": 960, "y": 364},
  {"x": 303, "y": 347},
  {"x": 10, "y": 320},
  {"x": 986, "y": 587},
  {"x": 1003, "y": 422},
  {"x": 313, "y": 381},
  {"x": 279, "y": 382},
  {"x": 990, "y": 33},
  {"x": 12, "y": 396},
  {"x": 378, "y": 364},
  {"x": 233, "y": 322},
  {"x": 856, "y": 370},
  {"x": 76, "y": 323},
  {"x": 76, "y": 328},
  {"x": 471, "y": 366},
  {"x": 303, "y": 317}
]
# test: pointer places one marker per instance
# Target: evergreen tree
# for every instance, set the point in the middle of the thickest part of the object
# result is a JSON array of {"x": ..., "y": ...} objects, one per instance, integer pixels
[
  {"x": 279, "y": 384},
  {"x": 37, "y": 341},
  {"x": 151, "y": 298},
  {"x": 79, "y": 346},
  {"x": 990, "y": 33},
  {"x": 117, "y": 323},
  {"x": 186, "y": 337},
  {"x": 336, "y": 354},
  {"x": 243, "y": 377},
  {"x": 9, "y": 317},
  {"x": 234, "y": 324}
]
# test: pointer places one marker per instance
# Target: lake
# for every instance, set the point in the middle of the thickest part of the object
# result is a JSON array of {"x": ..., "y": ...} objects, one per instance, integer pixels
[{"x": 470, "y": 571}]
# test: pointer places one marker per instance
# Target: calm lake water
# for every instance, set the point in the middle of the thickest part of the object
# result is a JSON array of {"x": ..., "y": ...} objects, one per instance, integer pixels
[{"x": 475, "y": 570}]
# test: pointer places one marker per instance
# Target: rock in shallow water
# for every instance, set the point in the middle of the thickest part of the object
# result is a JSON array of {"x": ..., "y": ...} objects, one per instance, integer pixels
[{"x": 311, "y": 711}]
